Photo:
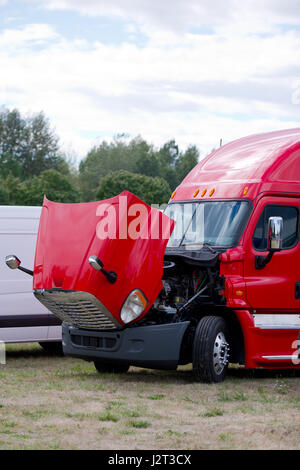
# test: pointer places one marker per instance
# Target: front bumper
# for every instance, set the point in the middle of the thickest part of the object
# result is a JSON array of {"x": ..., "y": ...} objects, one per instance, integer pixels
[{"x": 155, "y": 347}]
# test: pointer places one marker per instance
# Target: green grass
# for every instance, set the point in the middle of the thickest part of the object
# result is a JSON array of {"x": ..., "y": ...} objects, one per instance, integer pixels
[
  {"x": 115, "y": 403},
  {"x": 50, "y": 402},
  {"x": 265, "y": 397},
  {"x": 131, "y": 413},
  {"x": 120, "y": 409},
  {"x": 36, "y": 414},
  {"x": 139, "y": 424},
  {"x": 188, "y": 399},
  {"x": 224, "y": 436},
  {"x": 8, "y": 424},
  {"x": 224, "y": 397},
  {"x": 108, "y": 416},
  {"x": 171, "y": 432},
  {"x": 126, "y": 432},
  {"x": 80, "y": 416},
  {"x": 240, "y": 396},
  {"x": 6, "y": 431},
  {"x": 212, "y": 413},
  {"x": 160, "y": 396}
]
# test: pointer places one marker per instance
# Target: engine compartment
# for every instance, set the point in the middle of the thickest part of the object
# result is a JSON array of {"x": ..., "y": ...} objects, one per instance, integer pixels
[{"x": 191, "y": 287}]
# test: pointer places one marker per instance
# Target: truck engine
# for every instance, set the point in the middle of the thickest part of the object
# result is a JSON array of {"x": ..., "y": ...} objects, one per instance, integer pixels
[{"x": 187, "y": 290}]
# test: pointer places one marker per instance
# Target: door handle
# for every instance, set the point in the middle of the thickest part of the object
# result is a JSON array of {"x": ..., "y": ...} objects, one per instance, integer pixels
[{"x": 297, "y": 290}]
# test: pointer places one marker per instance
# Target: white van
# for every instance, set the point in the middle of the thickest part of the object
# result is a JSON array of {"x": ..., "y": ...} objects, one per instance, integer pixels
[{"x": 22, "y": 317}]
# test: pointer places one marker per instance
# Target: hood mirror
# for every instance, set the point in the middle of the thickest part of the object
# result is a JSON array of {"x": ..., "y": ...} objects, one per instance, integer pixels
[
  {"x": 97, "y": 264},
  {"x": 12, "y": 261}
]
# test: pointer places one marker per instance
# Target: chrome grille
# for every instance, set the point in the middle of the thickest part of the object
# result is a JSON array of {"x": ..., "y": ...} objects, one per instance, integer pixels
[{"x": 77, "y": 308}]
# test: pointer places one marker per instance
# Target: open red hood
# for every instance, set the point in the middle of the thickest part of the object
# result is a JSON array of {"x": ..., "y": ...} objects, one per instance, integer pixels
[{"x": 69, "y": 234}]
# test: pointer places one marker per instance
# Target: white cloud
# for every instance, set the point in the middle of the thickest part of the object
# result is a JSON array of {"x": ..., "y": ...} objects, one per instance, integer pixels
[
  {"x": 178, "y": 16},
  {"x": 196, "y": 88},
  {"x": 32, "y": 33}
]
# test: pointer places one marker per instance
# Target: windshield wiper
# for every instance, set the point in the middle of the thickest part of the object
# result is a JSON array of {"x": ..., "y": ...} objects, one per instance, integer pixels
[
  {"x": 207, "y": 245},
  {"x": 203, "y": 245}
]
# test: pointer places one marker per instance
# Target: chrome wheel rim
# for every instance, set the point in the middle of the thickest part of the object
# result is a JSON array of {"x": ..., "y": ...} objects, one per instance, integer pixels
[{"x": 220, "y": 353}]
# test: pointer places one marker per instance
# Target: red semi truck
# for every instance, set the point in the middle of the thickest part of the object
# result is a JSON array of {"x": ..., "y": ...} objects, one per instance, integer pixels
[{"x": 225, "y": 287}]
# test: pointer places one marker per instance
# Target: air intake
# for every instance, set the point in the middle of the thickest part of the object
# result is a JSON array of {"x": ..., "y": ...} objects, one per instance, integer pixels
[{"x": 77, "y": 308}]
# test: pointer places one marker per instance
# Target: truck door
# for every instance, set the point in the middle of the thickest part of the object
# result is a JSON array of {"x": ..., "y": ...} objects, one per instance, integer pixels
[{"x": 276, "y": 287}]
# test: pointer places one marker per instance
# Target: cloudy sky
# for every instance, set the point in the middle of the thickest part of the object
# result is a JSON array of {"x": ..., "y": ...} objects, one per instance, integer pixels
[{"x": 193, "y": 70}]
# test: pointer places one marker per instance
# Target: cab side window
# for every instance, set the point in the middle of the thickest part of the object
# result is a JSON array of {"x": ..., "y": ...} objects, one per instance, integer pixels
[{"x": 290, "y": 217}]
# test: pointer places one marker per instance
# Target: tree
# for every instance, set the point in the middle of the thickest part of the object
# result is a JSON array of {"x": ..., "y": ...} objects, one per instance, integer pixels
[
  {"x": 52, "y": 184},
  {"x": 186, "y": 162},
  {"x": 11, "y": 191},
  {"x": 167, "y": 157},
  {"x": 28, "y": 146},
  {"x": 135, "y": 156},
  {"x": 31, "y": 192},
  {"x": 4, "y": 195},
  {"x": 151, "y": 190}
]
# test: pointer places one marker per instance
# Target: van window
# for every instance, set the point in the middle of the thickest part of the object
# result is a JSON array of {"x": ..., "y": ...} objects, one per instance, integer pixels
[{"x": 290, "y": 226}]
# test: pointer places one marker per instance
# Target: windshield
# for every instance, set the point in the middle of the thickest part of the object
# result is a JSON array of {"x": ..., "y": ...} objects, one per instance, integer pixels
[{"x": 216, "y": 223}]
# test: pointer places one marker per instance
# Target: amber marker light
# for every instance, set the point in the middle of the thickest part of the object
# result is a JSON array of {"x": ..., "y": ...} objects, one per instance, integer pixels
[
  {"x": 141, "y": 297},
  {"x": 211, "y": 192},
  {"x": 245, "y": 190},
  {"x": 173, "y": 194},
  {"x": 196, "y": 193},
  {"x": 203, "y": 192}
]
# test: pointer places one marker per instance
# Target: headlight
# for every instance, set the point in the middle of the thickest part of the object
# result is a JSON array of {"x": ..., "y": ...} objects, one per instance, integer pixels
[{"x": 133, "y": 306}]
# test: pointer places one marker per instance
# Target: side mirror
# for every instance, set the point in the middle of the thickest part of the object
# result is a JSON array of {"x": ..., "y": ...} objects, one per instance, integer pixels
[
  {"x": 12, "y": 261},
  {"x": 274, "y": 241},
  {"x": 275, "y": 229}
]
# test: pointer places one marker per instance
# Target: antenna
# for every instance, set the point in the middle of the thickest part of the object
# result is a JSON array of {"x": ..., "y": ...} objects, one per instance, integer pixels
[{"x": 221, "y": 142}]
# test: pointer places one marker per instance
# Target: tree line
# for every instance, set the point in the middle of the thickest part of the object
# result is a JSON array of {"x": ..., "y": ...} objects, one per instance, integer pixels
[{"x": 32, "y": 164}]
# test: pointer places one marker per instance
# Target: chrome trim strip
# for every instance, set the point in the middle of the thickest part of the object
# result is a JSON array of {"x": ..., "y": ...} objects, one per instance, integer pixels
[
  {"x": 279, "y": 358},
  {"x": 271, "y": 321},
  {"x": 278, "y": 327}
]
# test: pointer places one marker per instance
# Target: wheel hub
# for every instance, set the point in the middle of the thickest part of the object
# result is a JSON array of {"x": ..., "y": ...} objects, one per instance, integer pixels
[{"x": 221, "y": 353}]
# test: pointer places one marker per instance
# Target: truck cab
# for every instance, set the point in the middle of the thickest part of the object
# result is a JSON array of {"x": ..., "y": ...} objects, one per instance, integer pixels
[{"x": 213, "y": 280}]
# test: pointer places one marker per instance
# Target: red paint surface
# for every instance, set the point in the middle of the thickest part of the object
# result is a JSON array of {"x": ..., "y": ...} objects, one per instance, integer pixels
[
  {"x": 67, "y": 237},
  {"x": 262, "y": 162}
]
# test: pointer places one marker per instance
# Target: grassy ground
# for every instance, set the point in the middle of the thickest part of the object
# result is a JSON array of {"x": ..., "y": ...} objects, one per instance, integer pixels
[{"x": 62, "y": 403}]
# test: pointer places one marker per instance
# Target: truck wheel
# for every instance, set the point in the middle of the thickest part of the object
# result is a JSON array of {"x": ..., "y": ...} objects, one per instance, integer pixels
[
  {"x": 115, "y": 368},
  {"x": 210, "y": 350},
  {"x": 53, "y": 348}
]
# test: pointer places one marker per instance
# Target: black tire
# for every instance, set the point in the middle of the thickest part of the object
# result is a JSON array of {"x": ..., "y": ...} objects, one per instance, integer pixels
[
  {"x": 113, "y": 368},
  {"x": 210, "y": 349},
  {"x": 53, "y": 348}
]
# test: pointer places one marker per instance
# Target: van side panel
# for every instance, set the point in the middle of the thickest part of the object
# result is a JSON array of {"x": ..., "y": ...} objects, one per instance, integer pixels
[{"x": 22, "y": 317}]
